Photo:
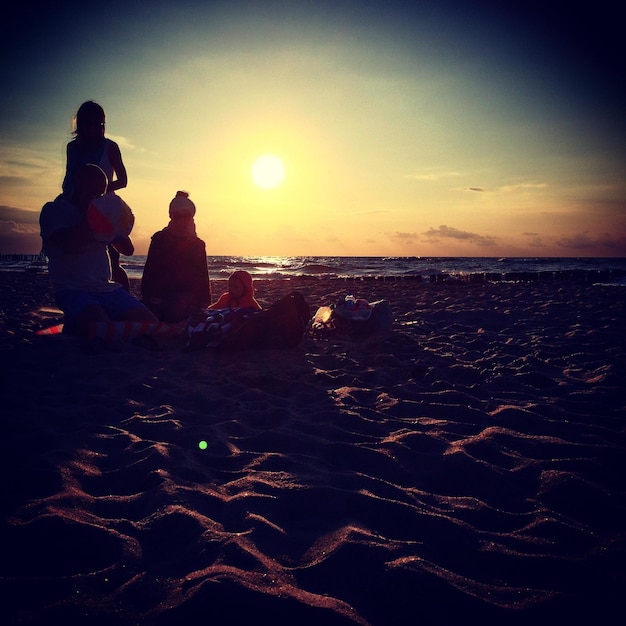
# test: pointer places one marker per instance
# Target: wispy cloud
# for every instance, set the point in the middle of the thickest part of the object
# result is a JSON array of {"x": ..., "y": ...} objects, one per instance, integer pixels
[
  {"x": 534, "y": 240},
  {"x": 584, "y": 241},
  {"x": 18, "y": 216},
  {"x": 522, "y": 187},
  {"x": 449, "y": 232},
  {"x": 404, "y": 238},
  {"x": 17, "y": 238},
  {"x": 20, "y": 163},
  {"x": 125, "y": 143},
  {"x": 509, "y": 189}
]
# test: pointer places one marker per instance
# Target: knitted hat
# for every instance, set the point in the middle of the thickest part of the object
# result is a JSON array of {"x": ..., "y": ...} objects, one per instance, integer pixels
[{"x": 182, "y": 206}]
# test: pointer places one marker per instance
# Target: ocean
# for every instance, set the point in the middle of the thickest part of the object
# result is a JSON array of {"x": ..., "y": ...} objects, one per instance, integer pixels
[{"x": 425, "y": 269}]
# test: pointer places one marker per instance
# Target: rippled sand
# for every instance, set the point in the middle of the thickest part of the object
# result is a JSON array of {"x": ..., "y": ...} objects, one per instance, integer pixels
[{"x": 471, "y": 465}]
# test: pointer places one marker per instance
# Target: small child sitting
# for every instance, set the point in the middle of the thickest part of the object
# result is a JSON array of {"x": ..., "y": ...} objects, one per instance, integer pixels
[
  {"x": 215, "y": 325},
  {"x": 240, "y": 294}
]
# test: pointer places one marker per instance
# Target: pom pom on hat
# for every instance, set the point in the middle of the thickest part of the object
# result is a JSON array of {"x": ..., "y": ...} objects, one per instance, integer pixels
[{"x": 182, "y": 206}]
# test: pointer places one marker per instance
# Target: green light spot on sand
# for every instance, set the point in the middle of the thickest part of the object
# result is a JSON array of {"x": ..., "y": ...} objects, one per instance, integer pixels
[{"x": 203, "y": 445}]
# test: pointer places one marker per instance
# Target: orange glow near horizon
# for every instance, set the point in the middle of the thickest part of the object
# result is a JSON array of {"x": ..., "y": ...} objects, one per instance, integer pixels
[{"x": 420, "y": 138}]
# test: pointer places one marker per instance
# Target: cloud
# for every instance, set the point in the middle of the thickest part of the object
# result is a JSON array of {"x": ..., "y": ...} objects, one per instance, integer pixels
[
  {"x": 448, "y": 232},
  {"x": 19, "y": 238},
  {"x": 405, "y": 238},
  {"x": 124, "y": 143},
  {"x": 506, "y": 189},
  {"x": 583, "y": 241},
  {"x": 8, "y": 228},
  {"x": 19, "y": 231},
  {"x": 579, "y": 241},
  {"x": 522, "y": 187},
  {"x": 20, "y": 216},
  {"x": 17, "y": 163},
  {"x": 534, "y": 240}
]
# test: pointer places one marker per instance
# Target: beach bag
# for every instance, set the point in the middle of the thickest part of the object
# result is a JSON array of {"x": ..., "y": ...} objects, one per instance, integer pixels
[
  {"x": 280, "y": 326},
  {"x": 354, "y": 317}
]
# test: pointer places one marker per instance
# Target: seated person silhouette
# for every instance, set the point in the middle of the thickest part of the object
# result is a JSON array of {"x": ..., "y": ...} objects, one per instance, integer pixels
[
  {"x": 78, "y": 262},
  {"x": 175, "y": 281}
]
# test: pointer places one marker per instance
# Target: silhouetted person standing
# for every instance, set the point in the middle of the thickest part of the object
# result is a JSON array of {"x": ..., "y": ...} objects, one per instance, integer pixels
[{"x": 91, "y": 146}]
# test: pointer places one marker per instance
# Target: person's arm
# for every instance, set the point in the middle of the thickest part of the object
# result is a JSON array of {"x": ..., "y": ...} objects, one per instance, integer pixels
[
  {"x": 66, "y": 184},
  {"x": 68, "y": 238},
  {"x": 223, "y": 302},
  {"x": 124, "y": 246},
  {"x": 156, "y": 277},
  {"x": 204, "y": 284},
  {"x": 121, "y": 177}
]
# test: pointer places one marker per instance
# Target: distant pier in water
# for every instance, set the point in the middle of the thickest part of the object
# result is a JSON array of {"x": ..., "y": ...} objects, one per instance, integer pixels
[
  {"x": 17, "y": 258},
  {"x": 23, "y": 262},
  {"x": 581, "y": 276}
]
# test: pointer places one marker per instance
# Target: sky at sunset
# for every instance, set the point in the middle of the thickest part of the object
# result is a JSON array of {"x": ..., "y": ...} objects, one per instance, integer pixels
[{"x": 404, "y": 129}]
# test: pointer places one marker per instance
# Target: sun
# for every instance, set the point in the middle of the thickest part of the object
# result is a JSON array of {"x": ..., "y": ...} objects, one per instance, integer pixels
[{"x": 268, "y": 171}]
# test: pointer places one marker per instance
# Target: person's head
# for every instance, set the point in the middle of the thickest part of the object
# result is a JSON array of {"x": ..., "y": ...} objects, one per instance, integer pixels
[
  {"x": 90, "y": 120},
  {"x": 240, "y": 284},
  {"x": 181, "y": 207},
  {"x": 90, "y": 182}
]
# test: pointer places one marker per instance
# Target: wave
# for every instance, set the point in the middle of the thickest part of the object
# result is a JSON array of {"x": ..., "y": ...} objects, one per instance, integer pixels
[
  {"x": 317, "y": 268},
  {"x": 427, "y": 269}
]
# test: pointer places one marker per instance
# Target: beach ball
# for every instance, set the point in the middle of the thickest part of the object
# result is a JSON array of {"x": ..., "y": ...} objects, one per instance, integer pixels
[{"x": 109, "y": 217}]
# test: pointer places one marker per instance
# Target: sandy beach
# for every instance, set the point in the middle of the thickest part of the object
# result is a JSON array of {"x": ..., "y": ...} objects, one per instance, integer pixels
[{"x": 469, "y": 466}]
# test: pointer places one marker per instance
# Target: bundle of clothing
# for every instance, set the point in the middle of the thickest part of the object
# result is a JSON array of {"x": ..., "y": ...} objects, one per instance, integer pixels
[
  {"x": 212, "y": 327},
  {"x": 281, "y": 326}
]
